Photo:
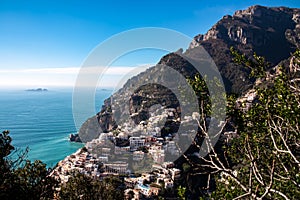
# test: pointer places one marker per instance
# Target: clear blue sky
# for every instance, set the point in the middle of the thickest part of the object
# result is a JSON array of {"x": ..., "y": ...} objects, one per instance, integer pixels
[{"x": 43, "y": 34}]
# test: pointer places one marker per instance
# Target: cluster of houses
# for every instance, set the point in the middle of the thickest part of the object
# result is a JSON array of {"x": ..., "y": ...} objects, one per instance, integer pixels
[
  {"x": 162, "y": 176},
  {"x": 80, "y": 161},
  {"x": 150, "y": 184},
  {"x": 136, "y": 147},
  {"x": 117, "y": 152},
  {"x": 109, "y": 148},
  {"x": 135, "y": 141}
]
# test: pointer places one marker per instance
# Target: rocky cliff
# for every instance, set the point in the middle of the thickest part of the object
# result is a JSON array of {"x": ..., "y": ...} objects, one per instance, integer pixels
[{"x": 270, "y": 32}]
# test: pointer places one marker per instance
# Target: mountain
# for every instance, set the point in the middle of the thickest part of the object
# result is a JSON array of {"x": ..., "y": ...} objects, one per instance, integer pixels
[
  {"x": 270, "y": 32},
  {"x": 273, "y": 33}
]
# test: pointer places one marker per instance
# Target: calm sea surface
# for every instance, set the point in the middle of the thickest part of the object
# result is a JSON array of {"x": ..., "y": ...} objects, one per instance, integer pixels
[{"x": 42, "y": 121}]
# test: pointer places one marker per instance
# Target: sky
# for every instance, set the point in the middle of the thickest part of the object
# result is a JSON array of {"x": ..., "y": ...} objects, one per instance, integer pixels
[{"x": 43, "y": 43}]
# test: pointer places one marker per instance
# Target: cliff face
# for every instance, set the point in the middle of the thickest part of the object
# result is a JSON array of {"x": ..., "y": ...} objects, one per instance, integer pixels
[
  {"x": 257, "y": 18},
  {"x": 273, "y": 33},
  {"x": 270, "y": 32},
  {"x": 257, "y": 28}
]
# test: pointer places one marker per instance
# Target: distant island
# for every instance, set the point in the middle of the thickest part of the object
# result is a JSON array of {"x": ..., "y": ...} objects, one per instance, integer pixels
[
  {"x": 37, "y": 90},
  {"x": 104, "y": 89}
]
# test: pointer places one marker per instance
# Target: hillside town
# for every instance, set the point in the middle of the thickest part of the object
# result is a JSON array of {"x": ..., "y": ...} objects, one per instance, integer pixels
[
  {"x": 162, "y": 176},
  {"x": 141, "y": 155}
]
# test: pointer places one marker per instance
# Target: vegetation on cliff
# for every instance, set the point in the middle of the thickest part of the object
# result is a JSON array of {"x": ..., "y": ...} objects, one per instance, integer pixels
[{"x": 260, "y": 157}]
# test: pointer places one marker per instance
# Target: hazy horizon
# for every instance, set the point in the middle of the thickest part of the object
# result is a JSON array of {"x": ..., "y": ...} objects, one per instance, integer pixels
[{"x": 43, "y": 44}]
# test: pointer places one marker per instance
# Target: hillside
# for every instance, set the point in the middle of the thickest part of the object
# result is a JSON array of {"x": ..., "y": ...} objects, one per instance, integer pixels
[{"x": 273, "y": 33}]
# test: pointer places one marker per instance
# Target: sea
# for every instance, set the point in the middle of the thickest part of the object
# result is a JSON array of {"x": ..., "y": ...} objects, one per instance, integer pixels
[{"x": 42, "y": 121}]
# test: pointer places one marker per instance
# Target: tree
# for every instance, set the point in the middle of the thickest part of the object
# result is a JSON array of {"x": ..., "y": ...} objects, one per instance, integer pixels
[
  {"x": 81, "y": 186},
  {"x": 197, "y": 176},
  {"x": 33, "y": 181},
  {"x": 5, "y": 150},
  {"x": 181, "y": 192},
  {"x": 261, "y": 157},
  {"x": 22, "y": 179}
]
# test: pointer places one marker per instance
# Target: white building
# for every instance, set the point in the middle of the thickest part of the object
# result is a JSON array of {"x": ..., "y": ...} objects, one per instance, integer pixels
[
  {"x": 121, "y": 150},
  {"x": 136, "y": 142},
  {"x": 157, "y": 152},
  {"x": 175, "y": 173},
  {"x": 103, "y": 158},
  {"x": 138, "y": 155},
  {"x": 116, "y": 168},
  {"x": 144, "y": 189}
]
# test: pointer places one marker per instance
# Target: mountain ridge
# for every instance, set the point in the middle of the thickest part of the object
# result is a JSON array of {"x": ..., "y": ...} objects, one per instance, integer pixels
[{"x": 250, "y": 31}]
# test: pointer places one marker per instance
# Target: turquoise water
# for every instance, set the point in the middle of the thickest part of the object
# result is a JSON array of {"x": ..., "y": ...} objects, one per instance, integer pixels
[{"x": 42, "y": 121}]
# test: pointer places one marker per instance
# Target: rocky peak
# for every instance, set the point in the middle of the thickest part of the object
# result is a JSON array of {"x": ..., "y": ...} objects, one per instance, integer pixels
[
  {"x": 271, "y": 32},
  {"x": 250, "y": 26},
  {"x": 255, "y": 10},
  {"x": 258, "y": 11}
]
